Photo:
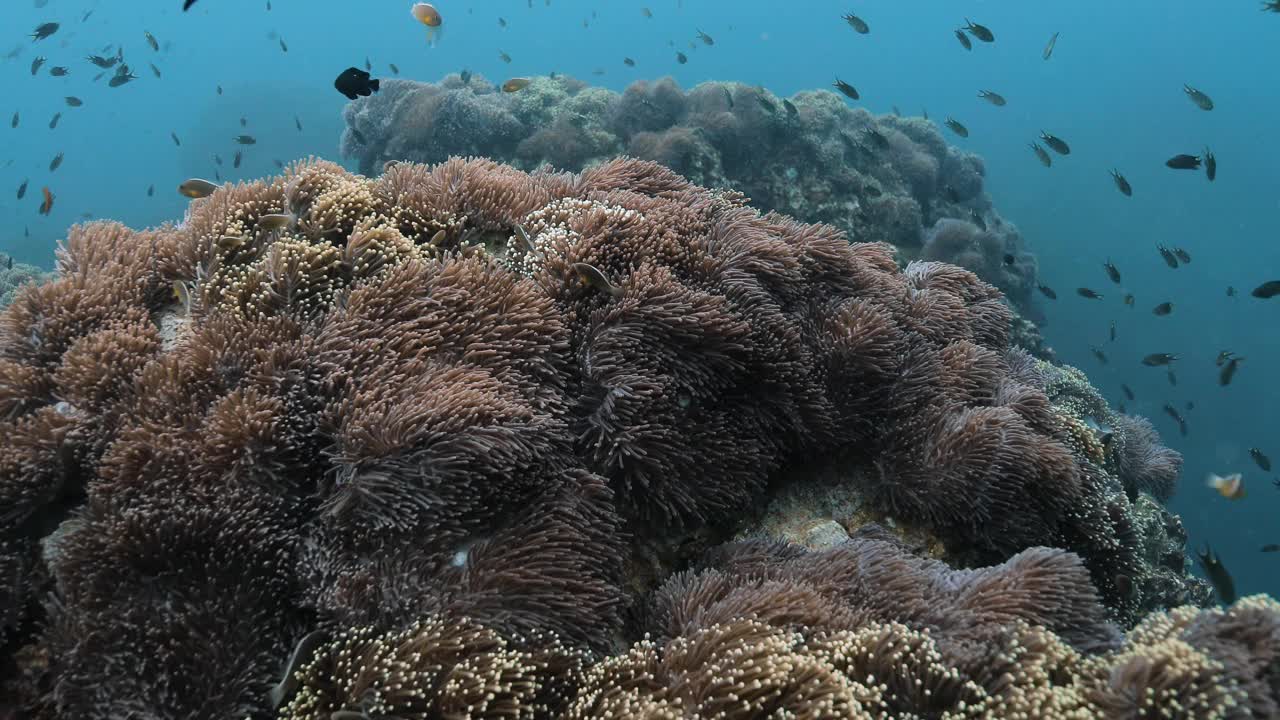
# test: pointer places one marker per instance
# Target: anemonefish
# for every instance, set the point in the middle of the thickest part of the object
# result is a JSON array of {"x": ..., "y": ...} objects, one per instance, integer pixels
[
  {"x": 426, "y": 14},
  {"x": 1230, "y": 487}
]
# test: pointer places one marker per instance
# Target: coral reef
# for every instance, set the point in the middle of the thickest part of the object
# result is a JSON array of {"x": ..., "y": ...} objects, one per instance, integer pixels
[
  {"x": 439, "y": 443},
  {"x": 13, "y": 275},
  {"x": 880, "y": 179}
]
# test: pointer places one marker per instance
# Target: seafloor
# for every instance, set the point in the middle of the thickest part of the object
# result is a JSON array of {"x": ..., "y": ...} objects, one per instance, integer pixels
[{"x": 476, "y": 438}]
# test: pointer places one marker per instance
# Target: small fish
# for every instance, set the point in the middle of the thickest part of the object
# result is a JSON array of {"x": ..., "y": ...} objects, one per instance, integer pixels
[
  {"x": 56, "y": 162},
  {"x": 73, "y": 101},
  {"x": 845, "y": 88},
  {"x": 151, "y": 190},
  {"x": 1097, "y": 352},
  {"x": 1128, "y": 300},
  {"x": 1042, "y": 154},
  {"x": 681, "y": 57},
  {"x": 151, "y": 40},
  {"x": 1183, "y": 256},
  {"x": 1111, "y": 337},
  {"x": 526, "y": 244},
  {"x": 1172, "y": 377},
  {"x": 59, "y": 71},
  {"x": 275, "y": 221},
  {"x": 1230, "y": 487},
  {"x": 1210, "y": 165},
  {"x": 1217, "y": 574},
  {"x": 103, "y": 62},
  {"x": 394, "y": 70},
  {"x": 992, "y": 97},
  {"x": 13, "y": 123},
  {"x": 367, "y": 65},
  {"x": 1048, "y": 49},
  {"x": 121, "y": 77},
  {"x": 297, "y": 122},
  {"x": 1085, "y": 292},
  {"x": 1223, "y": 357},
  {"x": 1112, "y": 271},
  {"x": 791, "y": 109},
  {"x": 1267, "y": 290},
  {"x": 628, "y": 62},
  {"x": 283, "y": 47},
  {"x": 465, "y": 76},
  {"x": 1055, "y": 143},
  {"x": 45, "y": 30},
  {"x": 182, "y": 293},
  {"x": 591, "y": 275},
  {"x": 176, "y": 141},
  {"x": 502, "y": 22},
  {"x": 22, "y": 189},
  {"x": 1163, "y": 309},
  {"x": 217, "y": 159},
  {"x": 643, "y": 11},
  {"x": 507, "y": 58},
  {"x": 1270, "y": 548},
  {"x": 979, "y": 31},
  {"x": 1121, "y": 183},
  {"x": 35, "y": 64},
  {"x": 1047, "y": 292},
  {"x": 705, "y": 38},
  {"x": 1261, "y": 459},
  {"x": 957, "y": 128},
  {"x": 235, "y": 162},
  {"x": 244, "y": 121},
  {"x": 1201, "y": 100},
  {"x": 515, "y": 84},
  {"x": 1169, "y": 258},
  {"x": 1183, "y": 162},
  {"x": 1172, "y": 412},
  {"x": 154, "y": 70},
  {"x": 354, "y": 82},
  {"x": 728, "y": 96},
  {"x": 1158, "y": 359},
  {"x": 46, "y": 205},
  {"x": 197, "y": 188},
  {"x": 1231, "y": 291},
  {"x": 1128, "y": 392},
  {"x": 219, "y": 89},
  {"x": 964, "y": 40},
  {"x": 859, "y": 26}
]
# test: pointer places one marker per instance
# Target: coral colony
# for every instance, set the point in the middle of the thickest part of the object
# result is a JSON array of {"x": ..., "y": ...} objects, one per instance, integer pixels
[{"x": 466, "y": 441}]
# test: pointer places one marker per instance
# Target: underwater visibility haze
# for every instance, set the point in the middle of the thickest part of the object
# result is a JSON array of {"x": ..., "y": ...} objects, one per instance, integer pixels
[{"x": 669, "y": 358}]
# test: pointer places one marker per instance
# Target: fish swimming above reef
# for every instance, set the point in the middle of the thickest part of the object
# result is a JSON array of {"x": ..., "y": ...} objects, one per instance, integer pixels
[
  {"x": 964, "y": 39},
  {"x": 197, "y": 188},
  {"x": 151, "y": 40},
  {"x": 1048, "y": 49},
  {"x": 428, "y": 15},
  {"x": 1158, "y": 359},
  {"x": 992, "y": 97},
  {"x": 1162, "y": 309},
  {"x": 1218, "y": 576},
  {"x": 1085, "y": 292},
  {"x": 593, "y": 277},
  {"x": 354, "y": 82},
  {"x": 705, "y": 38},
  {"x": 1047, "y": 292},
  {"x": 1261, "y": 459},
  {"x": 515, "y": 84},
  {"x": 858, "y": 24},
  {"x": 1230, "y": 487},
  {"x": 1201, "y": 100},
  {"x": 1210, "y": 165},
  {"x": 1112, "y": 271},
  {"x": 1041, "y": 154},
  {"x": 981, "y": 32},
  {"x": 1055, "y": 143},
  {"x": 848, "y": 90},
  {"x": 1267, "y": 290},
  {"x": 1228, "y": 371},
  {"x": 1183, "y": 256},
  {"x": 73, "y": 101},
  {"x": 1169, "y": 258},
  {"x": 1183, "y": 162},
  {"x": 45, "y": 30},
  {"x": 956, "y": 127},
  {"x": 1121, "y": 183},
  {"x": 681, "y": 57}
]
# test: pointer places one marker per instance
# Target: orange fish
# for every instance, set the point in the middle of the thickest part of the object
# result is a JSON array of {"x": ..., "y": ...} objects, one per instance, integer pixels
[
  {"x": 426, "y": 14},
  {"x": 1230, "y": 487},
  {"x": 47, "y": 205}
]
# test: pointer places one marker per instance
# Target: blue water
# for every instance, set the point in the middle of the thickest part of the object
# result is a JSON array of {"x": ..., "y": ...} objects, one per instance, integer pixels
[{"x": 1113, "y": 90}]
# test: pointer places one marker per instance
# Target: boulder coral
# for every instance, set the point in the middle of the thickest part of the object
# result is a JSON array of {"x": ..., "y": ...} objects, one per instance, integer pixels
[
  {"x": 878, "y": 178},
  {"x": 440, "y": 443}
]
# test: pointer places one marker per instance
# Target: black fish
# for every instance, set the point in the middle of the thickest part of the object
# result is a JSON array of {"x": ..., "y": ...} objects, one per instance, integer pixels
[
  {"x": 1169, "y": 258},
  {"x": 1210, "y": 165},
  {"x": 22, "y": 189},
  {"x": 1055, "y": 143},
  {"x": 186, "y": 5},
  {"x": 858, "y": 24},
  {"x": 1228, "y": 371},
  {"x": 681, "y": 57},
  {"x": 792, "y": 111},
  {"x": 45, "y": 30},
  {"x": 297, "y": 122},
  {"x": 1223, "y": 357},
  {"x": 1127, "y": 391},
  {"x": 1122, "y": 184},
  {"x": 1112, "y": 272},
  {"x": 35, "y": 64},
  {"x": 1183, "y": 162},
  {"x": 245, "y": 139},
  {"x": 1113, "y": 331},
  {"x": 151, "y": 190},
  {"x": 1267, "y": 290},
  {"x": 151, "y": 40},
  {"x": 14, "y": 122},
  {"x": 1231, "y": 291},
  {"x": 238, "y": 158},
  {"x": 176, "y": 141},
  {"x": 846, "y": 88},
  {"x": 1173, "y": 379},
  {"x": 56, "y": 162},
  {"x": 1097, "y": 352},
  {"x": 1158, "y": 359},
  {"x": 1183, "y": 256},
  {"x": 103, "y": 62},
  {"x": 1172, "y": 412},
  {"x": 1048, "y": 292},
  {"x": 1261, "y": 459},
  {"x": 121, "y": 77},
  {"x": 1163, "y": 309},
  {"x": 979, "y": 31},
  {"x": 1271, "y": 547},
  {"x": 964, "y": 39},
  {"x": 1217, "y": 574},
  {"x": 1042, "y": 154},
  {"x": 59, "y": 71},
  {"x": 1087, "y": 293},
  {"x": 354, "y": 82},
  {"x": 154, "y": 70},
  {"x": 955, "y": 127}
]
